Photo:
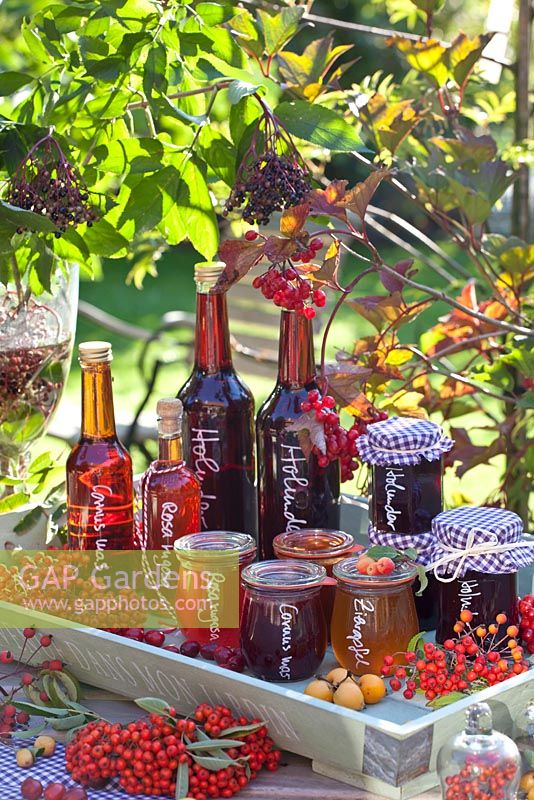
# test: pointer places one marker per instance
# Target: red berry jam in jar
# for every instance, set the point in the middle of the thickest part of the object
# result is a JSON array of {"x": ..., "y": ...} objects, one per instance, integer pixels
[
  {"x": 405, "y": 455},
  {"x": 476, "y": 557},
  {"x": 374, "y": 615},
  {"x": 227, "y": 553},
  {"x": 321, "y": 546},
  {"x": 283, "y": 629}
]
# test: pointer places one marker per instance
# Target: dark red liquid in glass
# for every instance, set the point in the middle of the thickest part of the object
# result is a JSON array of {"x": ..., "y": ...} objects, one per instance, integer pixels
[
  {"x": 218, "y": 426},
  {"x": 294, "y": 491},
  {"x": 483, "y": 593},
  {"x": 405, "y": 499},
  {"x": 99, "y": 473},
  {"x": 283, "y": 634}
]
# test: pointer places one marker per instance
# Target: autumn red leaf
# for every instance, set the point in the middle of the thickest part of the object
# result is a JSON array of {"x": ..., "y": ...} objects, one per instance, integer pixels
[
  {"x": 239, "y": 256},
  {"x": 358, "y": 198},
  {"x": 345, "y": 384},
  {"x": 327, "y": 273},
  {"x": 326, "y": 201},
  {"x": 293, "y": 219},
  {"x": 390, "y": 282}
]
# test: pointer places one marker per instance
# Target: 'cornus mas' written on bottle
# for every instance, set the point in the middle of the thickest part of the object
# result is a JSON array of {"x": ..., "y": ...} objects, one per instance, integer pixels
[
  {"x": 99, "y": 469},
  {"x": 294, "y": 491},
  {"x": 170, "y": 491},
  {"x": 218, "y": 425}
]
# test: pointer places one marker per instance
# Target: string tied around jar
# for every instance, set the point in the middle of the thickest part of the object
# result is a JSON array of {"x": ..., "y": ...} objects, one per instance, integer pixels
[{"x": 491, "y": 546}]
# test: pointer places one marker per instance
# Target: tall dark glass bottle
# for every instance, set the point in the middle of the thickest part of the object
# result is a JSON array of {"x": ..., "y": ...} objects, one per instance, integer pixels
[
  {"x": 99, "y": 468},
  {"x": 218, "y": 427},
  {"x": 294, "y": 491}
]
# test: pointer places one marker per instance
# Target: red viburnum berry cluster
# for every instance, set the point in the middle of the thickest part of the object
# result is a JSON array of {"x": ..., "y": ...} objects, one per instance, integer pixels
[
  {"x": 147, "y": 756},
  {"x": 479, "y": 780},
  {"x": 476, "y": 658},
  {"x": 340, "y": 443},
  {"x": 526, "y": 624}
]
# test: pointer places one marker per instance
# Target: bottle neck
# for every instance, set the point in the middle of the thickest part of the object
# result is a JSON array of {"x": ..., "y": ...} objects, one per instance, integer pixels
[
  {"x": 212, "y": 337},
  {"x": 296, "y": 361},
  {"x": 98, "y": 418},
  {"x": 170, "y": 448}
]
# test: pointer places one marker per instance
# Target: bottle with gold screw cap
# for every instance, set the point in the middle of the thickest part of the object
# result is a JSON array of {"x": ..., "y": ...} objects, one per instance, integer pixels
[
  {"x": 219, "y": 415},
  {"x": 99, "y": 468},
  {"x": 170, "y": 491}
]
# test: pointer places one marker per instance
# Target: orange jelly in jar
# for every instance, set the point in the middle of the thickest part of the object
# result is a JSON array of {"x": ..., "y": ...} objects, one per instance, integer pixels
[
  {"x": 322, "y": 546},
  {"x": 374, "y": 615}
]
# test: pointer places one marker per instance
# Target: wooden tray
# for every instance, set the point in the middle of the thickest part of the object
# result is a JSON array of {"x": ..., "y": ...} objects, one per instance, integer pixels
[{"x": 389, "y": 749}]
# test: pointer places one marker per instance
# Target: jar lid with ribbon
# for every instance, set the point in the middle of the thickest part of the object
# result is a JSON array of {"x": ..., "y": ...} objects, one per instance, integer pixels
[
  {"x": 422, "y": 542},
  {"x": 403, "y": 441},
  {"x": 481, "y": 539}
]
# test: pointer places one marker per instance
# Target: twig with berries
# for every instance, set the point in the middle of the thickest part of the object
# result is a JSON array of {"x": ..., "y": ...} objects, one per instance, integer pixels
[{"x": 476, "y": 658}]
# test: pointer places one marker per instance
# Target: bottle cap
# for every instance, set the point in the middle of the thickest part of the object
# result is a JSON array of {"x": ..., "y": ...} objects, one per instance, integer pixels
[
  {"x": 207, "y": 274},
  {"x": 478, "y": 719},
  {"x": 170, "y": 411},
  {"x": 95, "y": 352}
]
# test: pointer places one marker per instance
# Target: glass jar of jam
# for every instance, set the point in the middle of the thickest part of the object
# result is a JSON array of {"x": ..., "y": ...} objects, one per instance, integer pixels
[
  {"x": 476, "y": 556},
  {"x": 405, "y": 456},
  {"x": 223, "y": 555},
  {"x": 374, "y": 615},
  {"x": 283, "y": 629},
  {"x": 322, "y": 546}
]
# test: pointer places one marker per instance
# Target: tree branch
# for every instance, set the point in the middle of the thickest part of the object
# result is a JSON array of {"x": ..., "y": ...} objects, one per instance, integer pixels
[{"x": 176, "y": 96}]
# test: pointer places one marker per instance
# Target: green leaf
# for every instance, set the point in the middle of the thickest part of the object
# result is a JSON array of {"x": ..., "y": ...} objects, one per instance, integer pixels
[
  {"x": 215, "y": 762},
  {"x": 248, "y": 33},
  {"x": 13, "y": 501},
  {"x": 423, "y": 579},
  {"x": 318, "y": 125},
  {"x": 29, "y": 733},
  {"x": 75, "y": 721},
  {"x": 242, "y": 115},
  {"x": 154, "y": 71},
  {"x": 279, "y": 27},
  {"x": 215, "y": 13},
  {"x": 429, "y": 6},
  {"x": 218, "y": 153},
  {"x": 154, "y": 705},
  {"x": 104, "y": 240},
  {"x": 446, "y": 700},
  {"x": 196, "y": 210},
  {"x": 382, "y": 551},
  {"x": 39, "y": 711},
  {"x": 239, "y": 89},
  {"x": 28, "y": 520},
  {"x": 12, "y": 81},
  {"x": 242, "y": 730},
  {"x": 151, "y": 199},
  {"x": 129, "y": 155},
  {"x": 214, "y": 744},
  {"x": 20, "y": 218},
  {"x": 224, "y": 47},
  {"x": 415, "y": 643},
  {"x": 182, "y": 781}
]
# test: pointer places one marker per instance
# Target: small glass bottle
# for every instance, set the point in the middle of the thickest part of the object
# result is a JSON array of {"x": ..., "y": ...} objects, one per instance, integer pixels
[
  {"x": 228, "y": 554},
  {"x": 170, "y": 491},
  {"x": 283, "y": 629},
  {"x": 484, "y": 581},
  {"x": 218, "y": 426},
  {"x": 479, "y": 763},
  {"x": 374, "y": 615},
  {"x": 319, "y": 546},
  {"x": 99, "y": 468},
  {"x": 294, "y": 491}
]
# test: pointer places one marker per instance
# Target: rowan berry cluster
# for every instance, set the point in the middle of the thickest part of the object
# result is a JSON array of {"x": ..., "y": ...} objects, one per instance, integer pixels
[
  {"x": 144, "y": 757},
  {"x": 10, "y": 717},
  {"x": 526, "y": 624},
  {"x": 476, "y": 658},
  {"x": 47, "y": 184},
  {"x": 479, "y": 780},
  {"x": 340, "y": 443}
]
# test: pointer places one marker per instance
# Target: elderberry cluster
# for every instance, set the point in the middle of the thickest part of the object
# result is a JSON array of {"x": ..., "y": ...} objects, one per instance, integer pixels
[
  {"x": 271, "y": 182},
  {"x": 46, "y": 183},
  {"x": 341, "y": 444}
]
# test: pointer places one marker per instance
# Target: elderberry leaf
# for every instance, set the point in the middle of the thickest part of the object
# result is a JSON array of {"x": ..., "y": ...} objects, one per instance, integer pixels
[
  {"x": 196, "y": 211},
  {"x": 318, "y": 125},
  {"x": 154, "y": 71},
  {"x": 240, "y": 89},
  {"x": 219, "y": 154},
  {"x": 215, "y": 13},
  {"x": 12, "y": 81},
  {"x": 12, "y": 502},
  {"x": 280, "y": 27},
  {"x": 151, "y": 199},
  {"x": 103, "y": 240},
  {"x": 20, "y": 218}
]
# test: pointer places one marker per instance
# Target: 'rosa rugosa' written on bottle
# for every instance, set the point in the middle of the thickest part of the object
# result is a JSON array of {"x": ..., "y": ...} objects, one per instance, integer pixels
[
  {"x": 99, "y": 469},
  {"x": 294, "y": 491},
  {"x": 218, "y": 430},
  {"x": 170, "y": 491}
]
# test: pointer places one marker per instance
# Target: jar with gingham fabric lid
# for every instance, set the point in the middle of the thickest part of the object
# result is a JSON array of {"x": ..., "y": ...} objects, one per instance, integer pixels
[
  {"x": 405, "y": 456},
  {"x": 477, "y": 554}
]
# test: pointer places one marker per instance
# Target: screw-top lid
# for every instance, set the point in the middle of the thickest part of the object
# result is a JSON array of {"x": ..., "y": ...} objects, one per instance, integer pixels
[
  {"x": 403, "y": 441},
  {"x": 478, "y": 719},
  {"x": 95, "y": 352},
  {"x": 170, "y": 411},
  {"x": 207, "y": 274}
]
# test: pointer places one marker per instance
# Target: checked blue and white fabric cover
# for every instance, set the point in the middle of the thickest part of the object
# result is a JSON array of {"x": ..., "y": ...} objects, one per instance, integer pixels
[
  {"x": 403, "y": 441},
  {"x": 423, "y": 542},
  {"x": 482, "y": 539}
]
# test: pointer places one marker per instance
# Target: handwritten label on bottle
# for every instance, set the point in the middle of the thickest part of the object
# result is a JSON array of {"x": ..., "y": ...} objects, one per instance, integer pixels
[
  {"x": 362, "y": 608},
  {"x": 98, "y": 498},
  {"x": 294, "y": 468},
  {"x": 287, "y": 618},
  {"x": 392, "y": 487},
  {"x": 168, "y": 510},
  {"x": 203, "y": 441},
  {"x": 466, "y": 593}
]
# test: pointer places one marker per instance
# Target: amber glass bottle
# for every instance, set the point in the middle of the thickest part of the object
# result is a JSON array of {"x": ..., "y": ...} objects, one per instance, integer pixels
[
  {"x": 218, "y": 427},
  {"x": 294, "y": 491},
  {"x": 99, "y": 468},
  {"x": 170, "y": 491}
]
